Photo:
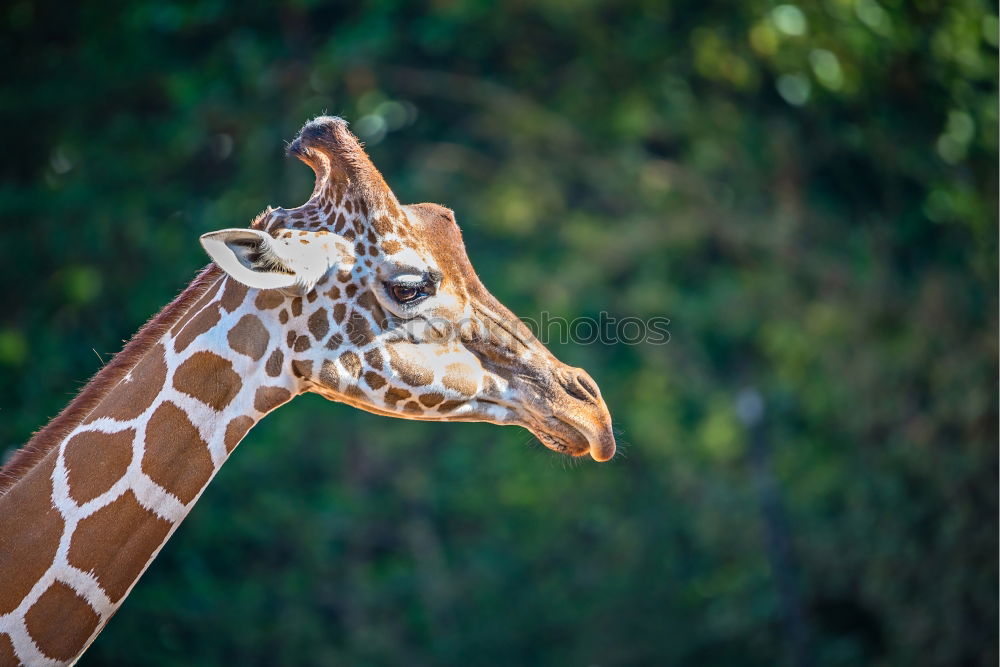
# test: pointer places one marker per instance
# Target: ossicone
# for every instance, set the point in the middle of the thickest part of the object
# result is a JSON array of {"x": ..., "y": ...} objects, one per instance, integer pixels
[{"x": 336, "y": 155}]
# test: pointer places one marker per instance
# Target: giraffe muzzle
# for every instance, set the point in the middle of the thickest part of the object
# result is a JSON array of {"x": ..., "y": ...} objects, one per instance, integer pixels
[
  {"x": 587, "y": 412},
  {"x": 571, "y": 416}
]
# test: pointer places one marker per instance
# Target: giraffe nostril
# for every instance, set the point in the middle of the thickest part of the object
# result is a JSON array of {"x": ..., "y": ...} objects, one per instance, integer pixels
[
  {"x": 578, "y": 385},
  {"x": 588, "y": 386}
]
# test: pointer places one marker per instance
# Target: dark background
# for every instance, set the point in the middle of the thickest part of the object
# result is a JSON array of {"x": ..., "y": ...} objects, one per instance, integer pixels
[{"x": 808, "y": 192}]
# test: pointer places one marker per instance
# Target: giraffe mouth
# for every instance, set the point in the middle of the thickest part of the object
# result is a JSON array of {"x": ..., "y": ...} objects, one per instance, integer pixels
[
  {"x": 567, "y": 436},
  {"x": 557, "y": 444}
]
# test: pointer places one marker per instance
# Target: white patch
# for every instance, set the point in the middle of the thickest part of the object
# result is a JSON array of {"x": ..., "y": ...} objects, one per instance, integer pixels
[
  {"x": 409, "y": 279},
  {"x": 409, "y": 257}
]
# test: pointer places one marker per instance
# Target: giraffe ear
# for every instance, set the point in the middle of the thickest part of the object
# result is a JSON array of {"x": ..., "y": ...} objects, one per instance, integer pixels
[{"x": 257, "y": 259}]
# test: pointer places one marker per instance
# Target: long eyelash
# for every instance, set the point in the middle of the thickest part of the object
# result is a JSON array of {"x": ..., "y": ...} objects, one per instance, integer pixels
[
  {"x": 424, "y": 291},
  {"x": 427, "y": 287}
]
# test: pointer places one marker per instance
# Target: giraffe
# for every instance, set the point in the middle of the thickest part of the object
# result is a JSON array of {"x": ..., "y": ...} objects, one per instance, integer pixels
[{"x": 352, "y": 296}]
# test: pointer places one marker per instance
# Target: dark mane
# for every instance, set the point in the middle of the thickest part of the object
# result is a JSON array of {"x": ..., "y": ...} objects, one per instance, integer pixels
[{"x": 104, "y": 380}]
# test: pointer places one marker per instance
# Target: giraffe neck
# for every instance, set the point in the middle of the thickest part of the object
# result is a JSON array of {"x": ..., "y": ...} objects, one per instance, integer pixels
[{"x": 81, "y": 525}]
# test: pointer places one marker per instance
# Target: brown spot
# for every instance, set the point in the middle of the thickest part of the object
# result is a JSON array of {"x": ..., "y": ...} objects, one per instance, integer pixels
[
  {"x": 296, "y": 306},
  {"x": 333, "y": 293},
  {"x": 335, "y": 341},
  {"x": 209, "y": 378},
  {"x": 283, "y": 316},
  {"x": 374, "y": 380},
  {"x": 235, "y": 431},
  {"x": 328, "y": 374},
  {"x": 381, "y": 319},
  {"x": 268, "y": 299},
  {"x": 366, "y": 300},
  {"x": 176, "y": 457},
  {"x": 374, "y": 358},
  {"x": 249, "y": 337},
  {"x": 268, "y": 398},
  {"x": 382, "y": 225},
  {"x": 319, "y": 324},
  {"x": 351, "y": 364},
  {"x": 198, "y": 325},
  {"x": 290, "y": 338},
  {"x": 302, "y": 343},
  {"x": 196, "y": 308},
  {"x": 432, "y": 399},
  {"x": 117, "y": 542},
  {"x": 358, "y": 329},
  {"x": 29, "y": 532},
  {"x": 273, "y": 365},
  {"x": 390, "y": 247},
  {"x": 302, "y": 369},
  {"x": 372, "y": 238},
  {"x": 339, "y": 311},
  {"x": 448, "y": 406},
  {"x": 95, "y": 461},
  {"x": 456, "y": 377},
  {"x": 136, "y": 391},
  {"x": 412, "y": 406},
  {"x": 7, "y": 655},
  {"x": 351, "y": 290},
  {"x": 411, "y": 373},
  {"x": 233, "y": 295},
  {"x": 312, "y": 296},
  {"x": 394, "y": 394},
  {"x": 354, "y": 391},
  {"x": 60, "y": 622}
]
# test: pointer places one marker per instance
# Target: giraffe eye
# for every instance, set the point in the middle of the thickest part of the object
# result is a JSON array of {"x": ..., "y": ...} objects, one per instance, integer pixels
[
  {"x": 407, "y": 293},
  {"x": 409, "y": 287}
]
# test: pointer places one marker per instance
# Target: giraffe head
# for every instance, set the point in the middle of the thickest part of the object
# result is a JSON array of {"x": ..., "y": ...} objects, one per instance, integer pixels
[{"x": 381, "y": 309}]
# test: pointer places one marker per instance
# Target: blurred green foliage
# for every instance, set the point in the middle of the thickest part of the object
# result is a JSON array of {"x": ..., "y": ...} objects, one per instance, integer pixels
[{"x": 808, "y": 191}]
